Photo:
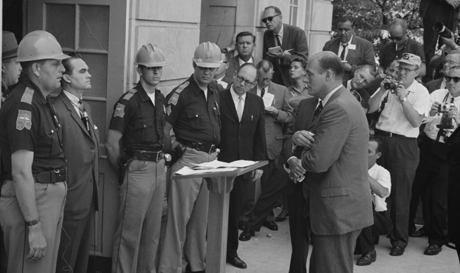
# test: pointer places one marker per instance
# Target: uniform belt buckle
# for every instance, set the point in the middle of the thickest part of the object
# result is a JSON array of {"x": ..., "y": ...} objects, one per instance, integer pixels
[
  {"x": 212, "y": 149},
  {"x": 160, "y": 156}
]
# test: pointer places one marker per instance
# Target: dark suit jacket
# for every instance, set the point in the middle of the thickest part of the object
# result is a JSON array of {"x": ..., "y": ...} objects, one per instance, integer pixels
[
  {"x": 340, "y": 199},
  {"x": 274, "y": 125},
  {"x": 433, "y": 85},
  {"x": 245, "y": 139},
  {"x": 81, "y": 150},
  {"x": 234, "y": 65},
  {"x": 363, "y": 54},
  {"x": 293, "y": 38}
]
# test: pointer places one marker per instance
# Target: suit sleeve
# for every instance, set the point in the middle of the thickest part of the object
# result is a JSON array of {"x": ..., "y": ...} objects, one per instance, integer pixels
[
  {"x": 260, "y": 147},
  {"x": 285, "y": 114},
  {"x": 368, "y": 56},
  {"x": 331, "y": 133},
  {"x": 291, "y": 129},
  {"x": 300, "y": 46}
]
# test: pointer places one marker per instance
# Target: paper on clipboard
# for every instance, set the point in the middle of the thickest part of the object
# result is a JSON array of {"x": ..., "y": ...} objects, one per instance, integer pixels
[
  {"x": 275, "y": 49},
  {"x": 268, "y": 99}
]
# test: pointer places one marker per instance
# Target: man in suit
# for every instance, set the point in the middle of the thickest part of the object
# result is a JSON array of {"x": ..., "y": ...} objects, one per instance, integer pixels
[
  {"x": 335, "y": 158},
  {"x": 221, "y": 80},
  {"x": 277, "y": 115},
  {"x": 352, "y": 50},
  {"x": 80, "y": 142},
  {"x": 290, "y": 39},
  {"x": 242, "y": 137},
  {"x": 244, "y": 45}
]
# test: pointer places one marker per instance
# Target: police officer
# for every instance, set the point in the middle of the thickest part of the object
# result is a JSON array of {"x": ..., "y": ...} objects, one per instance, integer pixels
[
  {"x": 193, "y": 112},
  {"x": 33, "y": 195},
  {"x": 138, "y": 119}
]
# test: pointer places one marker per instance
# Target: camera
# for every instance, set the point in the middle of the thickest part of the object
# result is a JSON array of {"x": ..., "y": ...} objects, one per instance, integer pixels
[
  {"x": 443, "y": 31},
  {"x": 391, "y": 84}
]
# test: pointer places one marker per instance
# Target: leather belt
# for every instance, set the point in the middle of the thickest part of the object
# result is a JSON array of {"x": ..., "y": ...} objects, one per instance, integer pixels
[
  {"x": 144, "y": 155},
  {"x": 53, "y": 176},
  {"x": 388, "y": 134},
  {"x": 200, "y": 146}
]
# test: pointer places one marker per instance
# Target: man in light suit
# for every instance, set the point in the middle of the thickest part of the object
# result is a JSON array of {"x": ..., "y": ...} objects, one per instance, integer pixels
[
  {"x": 352, "y": 50},
  {"x": 291, "y": 39},
  {"x": 80, "y": 140},
  {"x": 244, "y": 45},
  {"x": 242, "y": 137},
  {"x": 277, "y": 115},
  {"x": 335, "y": 159}
]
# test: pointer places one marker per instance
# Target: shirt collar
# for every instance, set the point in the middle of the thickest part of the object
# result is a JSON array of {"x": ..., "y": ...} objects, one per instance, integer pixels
[
  {"x": 241, "y": 62},
  {"x": 349, "y": 42},
  {"x": 326, "y": 99},
  {"x": 281, "y": 32},
  {"x": 235, "y": 96},
  {"x": 74, "y": 99}
]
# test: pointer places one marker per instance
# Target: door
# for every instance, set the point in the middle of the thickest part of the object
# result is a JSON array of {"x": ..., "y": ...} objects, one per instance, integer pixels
[{"x": 95, "y": 29}]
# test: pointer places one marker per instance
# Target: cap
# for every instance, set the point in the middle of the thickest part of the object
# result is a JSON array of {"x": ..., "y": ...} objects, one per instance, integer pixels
[
  {"x": 412, "y": 59},
  {"x": 9, "y": 45}
]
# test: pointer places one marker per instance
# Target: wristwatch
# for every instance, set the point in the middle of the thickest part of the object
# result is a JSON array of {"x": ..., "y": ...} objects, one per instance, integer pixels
[
  {"x": 404, "y": 100},
  {"x": 33, "y": 222}
]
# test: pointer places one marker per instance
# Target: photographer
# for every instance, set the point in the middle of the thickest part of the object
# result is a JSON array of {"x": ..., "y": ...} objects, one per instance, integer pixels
[{"x": 402, "y": 108}]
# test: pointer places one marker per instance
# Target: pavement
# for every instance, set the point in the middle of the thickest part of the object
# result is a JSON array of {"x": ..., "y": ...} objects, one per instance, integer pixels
[{"x": 270, "y": 251}]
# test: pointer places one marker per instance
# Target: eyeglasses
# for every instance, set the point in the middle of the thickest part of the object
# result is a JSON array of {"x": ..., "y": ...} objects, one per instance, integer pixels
[
  {"x": 395, "y": 38},
  {"x": 264, "y": 79},
  {"x": 269, "y": 19},
  {"x": 448, "y": 79},
  {"x": 406, "y": 70},
  {"x": 244, "y": 81}
]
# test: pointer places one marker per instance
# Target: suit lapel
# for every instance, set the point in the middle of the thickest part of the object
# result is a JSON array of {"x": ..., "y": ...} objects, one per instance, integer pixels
[
  {"x": 231, "y": 104},
  {"x": 73, "y": 112},
  {"x": 331, "y": 99},
  {"x": 335, "y": 46}
]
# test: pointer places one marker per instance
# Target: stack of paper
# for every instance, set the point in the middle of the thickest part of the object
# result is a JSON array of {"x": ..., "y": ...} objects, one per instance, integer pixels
[{"x": 215, "y": 166}]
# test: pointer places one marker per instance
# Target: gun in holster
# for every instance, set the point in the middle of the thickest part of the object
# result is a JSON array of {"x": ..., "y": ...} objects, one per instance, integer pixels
[
  {"x": 123, "y": 163},
  {"x": 177, "y": 152}
]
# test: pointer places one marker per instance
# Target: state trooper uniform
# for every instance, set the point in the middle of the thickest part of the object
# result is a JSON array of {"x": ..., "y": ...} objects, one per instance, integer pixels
[
  {"x": 142, "y": 191},
  {"x": 195, "y": 118},
  {"x": 28, "y": 122}
]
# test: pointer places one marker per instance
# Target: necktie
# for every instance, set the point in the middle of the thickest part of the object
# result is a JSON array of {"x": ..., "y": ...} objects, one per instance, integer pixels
[
  {"x": 239, "y": 108},
  {"x": 278, "y": 41},
  {"x": 262, "y": 93},
  {"x": 83, "y": 114},
  {"x": 342, "y": 55},
  {"x": 318, "y": 110}
]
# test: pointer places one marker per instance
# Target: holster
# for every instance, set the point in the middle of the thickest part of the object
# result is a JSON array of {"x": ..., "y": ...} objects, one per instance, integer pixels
[
  {"x": 123, "y": 163},
  {"x": 177, "y": 152}
]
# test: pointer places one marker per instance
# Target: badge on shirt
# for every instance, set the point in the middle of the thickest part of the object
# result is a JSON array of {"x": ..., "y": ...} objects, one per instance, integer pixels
[
  {"x": 119, "y": 111},
  {"x": 351, "y": 47},
  {"x": 24, "y": 120},
  {"x": 168, "y": 110}
]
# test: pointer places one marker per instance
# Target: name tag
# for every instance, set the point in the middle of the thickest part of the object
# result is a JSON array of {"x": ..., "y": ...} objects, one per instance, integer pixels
[{"x": 351, "y": 47}]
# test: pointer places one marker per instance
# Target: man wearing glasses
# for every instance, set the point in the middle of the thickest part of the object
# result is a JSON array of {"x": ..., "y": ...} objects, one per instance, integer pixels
[
  {"x": 400, "y": 44},
  {"x": 278, "y": 112},
  {"x": 402, "y": 111},
  {"x": 281, "y": 42}
]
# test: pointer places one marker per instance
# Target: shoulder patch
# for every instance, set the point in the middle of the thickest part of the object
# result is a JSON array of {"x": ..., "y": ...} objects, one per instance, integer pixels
[
  {"x": 24, "y": 120},
  {"x": 119, "y": 111},
  {"x": 27, "y": 96},
  {"x": 177, "y": 91},
  {"x": 130, "y": 94}
]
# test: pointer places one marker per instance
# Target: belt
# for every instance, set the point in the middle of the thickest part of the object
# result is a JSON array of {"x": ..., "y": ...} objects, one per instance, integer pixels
[
  {"x": 200, "y": 146},
  {"x": 53, "y": 176},
  {"x": 387, "y": 134},
  {"x": 144, "y": 155}
]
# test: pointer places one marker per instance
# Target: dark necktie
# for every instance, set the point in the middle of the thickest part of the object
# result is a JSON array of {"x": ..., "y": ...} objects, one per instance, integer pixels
[
  {"x": 342, "y": 55},
  {"x": 318, "y": 110},
  {"x": 83, "y": 114},
  {"x": 262, "y": 93},
  {"x": 278, "y": 41}
]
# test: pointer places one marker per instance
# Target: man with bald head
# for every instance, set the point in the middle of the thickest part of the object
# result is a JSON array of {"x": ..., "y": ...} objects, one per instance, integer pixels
[
  {"x": 334, "y": 160},
  {"x": 400, "y": 44}
]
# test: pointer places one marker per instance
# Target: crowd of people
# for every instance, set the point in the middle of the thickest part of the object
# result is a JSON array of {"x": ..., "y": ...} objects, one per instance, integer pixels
[{"x": 352, "y": 146}]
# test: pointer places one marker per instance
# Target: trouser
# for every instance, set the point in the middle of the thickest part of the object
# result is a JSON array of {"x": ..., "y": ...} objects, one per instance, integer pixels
[
  {"x": 333, "y": 253},
  {"x": 400, "y": 156},
  {"x": 3, "y": 256},
  {"x": 75, "y": 243},
  {"x": 431, "y": 180},
  {"x": 237, "y": 196},
  {"x": 250, "y": 199},
  {"x": 369, "y": 235},
  {"x": 273, "y": 182},
  {"x": 50, "y": 200},
  {"x": 137, "y": 237},
  {"x": 187, "y": 218},
  {"x": 299, "y": 227}
]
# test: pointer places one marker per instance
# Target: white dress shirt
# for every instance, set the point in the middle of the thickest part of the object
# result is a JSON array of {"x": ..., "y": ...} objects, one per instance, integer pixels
[{"x": 383, "y": 177}]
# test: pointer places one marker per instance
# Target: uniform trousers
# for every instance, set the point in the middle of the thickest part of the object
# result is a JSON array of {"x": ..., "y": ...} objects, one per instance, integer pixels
[
  {"x": 75, "y": 243},
  {"x": 187, "y": 218},
  {"x": 432, "y": 178},
  {"x": 400, "y": 156},
  {"x": 137, "y": 238},
  {"x": 50, "y": 200},
  {"x": 370, "y": 235},
  {"x": 333, "y": 253}
]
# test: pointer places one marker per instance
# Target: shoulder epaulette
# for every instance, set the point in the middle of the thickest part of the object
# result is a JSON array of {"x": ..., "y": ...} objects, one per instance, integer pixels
[
  {"x": 28, "y": 95},
  {"x": 130, "y": 94},
  {"x": 177, "y": 91}
]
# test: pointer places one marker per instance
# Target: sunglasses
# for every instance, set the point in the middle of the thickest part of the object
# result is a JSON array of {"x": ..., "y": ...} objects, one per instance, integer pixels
[
  {"x": 395, "y": 38},
  {"x": 455, "y": 79},
  {"x": 269, "y": 19}
]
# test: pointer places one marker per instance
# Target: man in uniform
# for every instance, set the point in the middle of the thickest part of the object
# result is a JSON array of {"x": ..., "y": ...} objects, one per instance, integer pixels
[
  {"x": 33, "y": 195},
  {"x": 193, "y": 111},
  {"x": 138, "y": 120},
  {"x": 80, "y": 143}
]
